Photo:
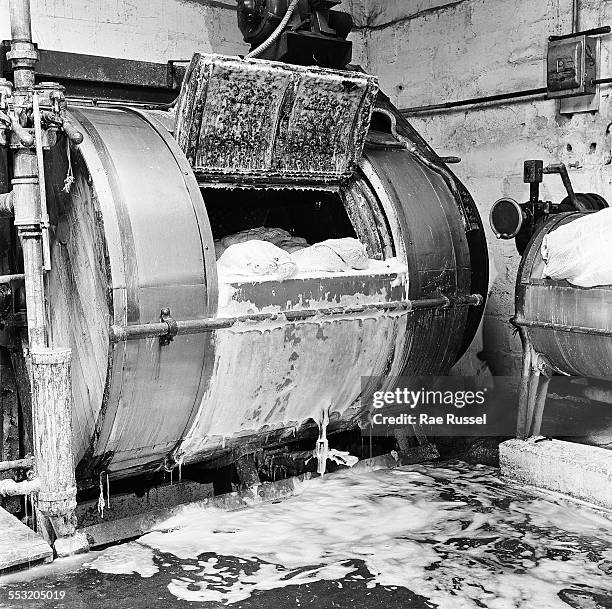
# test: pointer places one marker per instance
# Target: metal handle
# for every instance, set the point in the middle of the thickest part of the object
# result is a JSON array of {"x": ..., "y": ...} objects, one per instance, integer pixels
[
  {"x": 25, "y": 137},
  {"x": 561, "y": 169},
  {"x": 72, "y": 133}
]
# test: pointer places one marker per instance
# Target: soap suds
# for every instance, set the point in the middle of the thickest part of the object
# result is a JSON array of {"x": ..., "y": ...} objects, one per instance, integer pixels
[
  {"x": 375, "y": 267},
  {"x": 453, "y": 534},
  {"x": 131, "y": 557},
  {"x": 243, "y": 585},
  {"x": 342, "y": 457}
]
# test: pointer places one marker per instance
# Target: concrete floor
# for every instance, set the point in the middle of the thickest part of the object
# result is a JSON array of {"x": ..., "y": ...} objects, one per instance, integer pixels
[{"x": 447, "y": 535}]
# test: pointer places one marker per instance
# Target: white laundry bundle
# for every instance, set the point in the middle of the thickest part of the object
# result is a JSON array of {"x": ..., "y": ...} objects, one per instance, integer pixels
[
  {"x": 315, "y": 258},
  {"x": 256, "y": 258},
  {"x": 581, "y": 251},
  {"x": 332, "y": 255},
  {"x": 278, "y": 236}
]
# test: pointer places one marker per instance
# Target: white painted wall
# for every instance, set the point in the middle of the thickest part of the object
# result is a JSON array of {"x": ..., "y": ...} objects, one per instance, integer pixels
[{"x": 149, "y": 30}]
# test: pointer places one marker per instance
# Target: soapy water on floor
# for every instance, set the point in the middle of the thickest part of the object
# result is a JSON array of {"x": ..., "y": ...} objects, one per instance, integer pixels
[{"x": 454, "y": 535}]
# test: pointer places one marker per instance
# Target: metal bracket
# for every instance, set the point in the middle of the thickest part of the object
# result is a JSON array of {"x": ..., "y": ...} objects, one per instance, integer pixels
[
  {"x": 174, "y": 77},
  {"x": 166, "y": 318}
]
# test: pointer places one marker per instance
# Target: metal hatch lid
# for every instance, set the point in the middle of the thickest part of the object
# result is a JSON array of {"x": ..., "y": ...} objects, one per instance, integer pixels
[{"x": 256, "y": 121}]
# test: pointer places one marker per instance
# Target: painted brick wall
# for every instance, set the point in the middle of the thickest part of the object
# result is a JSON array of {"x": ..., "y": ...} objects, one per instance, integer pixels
[
  {"x": 153, "y": 30},
  {"x": 429, "y": 51}
]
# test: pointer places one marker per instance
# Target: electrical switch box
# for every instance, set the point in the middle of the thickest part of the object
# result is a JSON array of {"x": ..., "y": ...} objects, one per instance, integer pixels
[{"x": 572, "y": 66}]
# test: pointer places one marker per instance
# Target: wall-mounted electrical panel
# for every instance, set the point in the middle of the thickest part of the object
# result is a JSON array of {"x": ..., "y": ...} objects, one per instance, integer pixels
[{"x": 572, "y": 66}]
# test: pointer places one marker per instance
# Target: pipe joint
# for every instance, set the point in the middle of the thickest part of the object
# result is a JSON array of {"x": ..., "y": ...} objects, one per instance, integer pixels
[{"x": 22, "y": 55}]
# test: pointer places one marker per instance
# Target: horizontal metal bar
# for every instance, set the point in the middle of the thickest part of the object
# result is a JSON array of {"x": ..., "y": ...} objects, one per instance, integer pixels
[
  {"x": 110, "y": 70},
  {"x": 560, "y": 327},
  {"x": 598, "y": 31},
  {"x": 475, "y": 100},
  {"x": 211, "y": 324},
  {"x": 25, "y": 463},
  {"x": 485, "y": 99},
  {"x": 105, "y": 102},
  {"x": 9, "y": 278}
]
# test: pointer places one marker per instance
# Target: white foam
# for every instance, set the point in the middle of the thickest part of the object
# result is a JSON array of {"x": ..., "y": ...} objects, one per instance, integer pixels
[
  {"x": 437, "y": 531},
  {"x": 127, "y": 558},
  {"x": 390, "y": 266},
  {"x": 265, "y": 577},
  {"x": 342, "y": 457}
]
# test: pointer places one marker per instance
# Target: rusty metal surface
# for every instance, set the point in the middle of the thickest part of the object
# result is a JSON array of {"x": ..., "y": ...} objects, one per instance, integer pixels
[
  {"x": 571, "y": 326},
  {"x": 265, "y": 121}
]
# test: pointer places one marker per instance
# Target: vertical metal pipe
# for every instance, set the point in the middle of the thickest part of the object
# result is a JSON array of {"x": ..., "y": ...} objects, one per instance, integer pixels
[
  {"x": 522, "y": 422},
  {"x": 52, "y": 407},
  {"x": 23, "y": 55},
  {"x": 51, "y": 397},
  {"x": 26, "y": 194},
  {"x": 575, "y": 16},
  {"x": 21, "y": 21},
  {"x": 26, "y": 205},
  {"x": 50, "y": 368}
]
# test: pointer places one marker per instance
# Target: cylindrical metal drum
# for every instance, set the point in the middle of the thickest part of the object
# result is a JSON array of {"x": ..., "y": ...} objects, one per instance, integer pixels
[
  {"x": 132, "y": 236},
  {"x": 571, "y": 326}
]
